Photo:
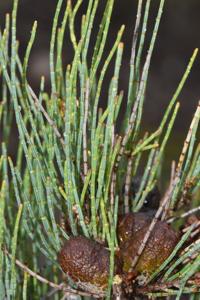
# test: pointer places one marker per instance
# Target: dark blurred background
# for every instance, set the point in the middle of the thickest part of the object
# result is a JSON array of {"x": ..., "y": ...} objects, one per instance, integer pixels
[{"x": 179, "y": 34}]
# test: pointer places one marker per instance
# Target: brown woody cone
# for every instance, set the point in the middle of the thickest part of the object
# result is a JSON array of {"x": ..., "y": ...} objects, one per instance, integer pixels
[
  {"x": 132, "y": 229},
  {"x": 87, "y": 263}
]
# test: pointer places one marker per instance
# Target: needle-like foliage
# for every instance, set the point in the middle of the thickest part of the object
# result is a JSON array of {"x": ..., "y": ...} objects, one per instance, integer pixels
[{"x": 72, "y": 161}]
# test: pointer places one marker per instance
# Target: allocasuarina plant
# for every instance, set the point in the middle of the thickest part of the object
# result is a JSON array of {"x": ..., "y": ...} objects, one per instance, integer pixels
[{"x": 75, "y": 218}]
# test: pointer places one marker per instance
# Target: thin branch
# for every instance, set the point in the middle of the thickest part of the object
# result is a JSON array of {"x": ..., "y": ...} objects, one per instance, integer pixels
[
  {"x": 188, "y": 138},
  {"x": 195, "y": 225},
  {"x": 184, "y": 215},
  {"x": 128, "y": 184},
  {"x": 51, "y": 293},
  {"x": 196, "y": 232},
  {"x": 164, "y": 287},
  {"x": 141, "y": 89},
  {"x": 113, "y": 177},
  {"x": 189, "y": 247},
  {"x": 186, "y": 144},
  {"x": 157, "y": 287},
  {"x": 135, "y": 34},
  {"x": 133, "y": 55},
  {"x": 49, "y": 120},
  {"x": 85, "y": 155},
  {"x": 173, "y": 172}
]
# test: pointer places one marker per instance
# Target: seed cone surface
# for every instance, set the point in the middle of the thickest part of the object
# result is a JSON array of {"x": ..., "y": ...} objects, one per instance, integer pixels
[
  {"x": 86, "y": 262},
  {"x": 131, "y": 223},
  {"x": 132, "y": 229}
]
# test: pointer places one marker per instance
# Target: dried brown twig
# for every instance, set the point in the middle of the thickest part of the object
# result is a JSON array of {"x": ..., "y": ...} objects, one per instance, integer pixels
[
  {"x": 184, "y": 215},
  {"x": 165, "y": 212},
  {"x": 157, "y": 287}
]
